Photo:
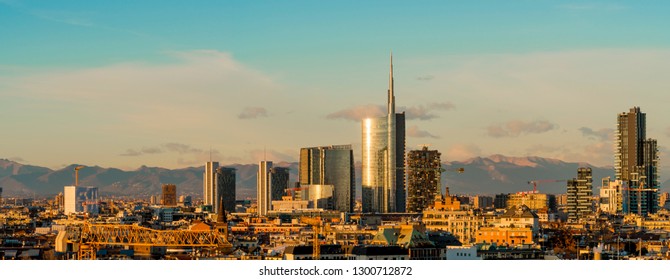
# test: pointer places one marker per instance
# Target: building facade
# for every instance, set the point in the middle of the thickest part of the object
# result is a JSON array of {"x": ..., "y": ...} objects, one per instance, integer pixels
[
  {"x": 225, "y": 188},
  {"x": 80, "y": 200},
  {"x": 209, "y": 183},
  {"x": 263, "y": 194},
  {"x": 636, "y": 161},
  {"x": 279, "y": 182},
  {"x": 383, "y": 156},
  {"x": 169, "y": 195},
  {"x": 534, "y": 201},
  {"x": 580, "y": 194},
  {"x": 331, "y": 165},
  {"x": 423, "y": 178}
]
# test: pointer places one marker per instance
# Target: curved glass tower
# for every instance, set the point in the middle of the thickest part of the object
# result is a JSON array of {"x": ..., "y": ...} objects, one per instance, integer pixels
[{"x": 383, "y": 149}]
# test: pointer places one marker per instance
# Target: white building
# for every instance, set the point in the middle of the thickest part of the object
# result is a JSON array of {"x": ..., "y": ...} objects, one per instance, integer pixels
[
  {"x": 263, "y": 187},
  {"x": 209, "y": 183},
  {"x": 80, "y": 200},
  {"x": 611, "y": 196},
  {"x": 462, "y": 253}
]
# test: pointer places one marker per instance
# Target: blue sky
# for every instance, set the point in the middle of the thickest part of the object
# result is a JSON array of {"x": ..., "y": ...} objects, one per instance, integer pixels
[{"x": 161, "y": 83}]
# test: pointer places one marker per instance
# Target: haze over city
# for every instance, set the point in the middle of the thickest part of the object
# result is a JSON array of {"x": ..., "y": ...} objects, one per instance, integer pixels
[{"x": 124, "y": 84}]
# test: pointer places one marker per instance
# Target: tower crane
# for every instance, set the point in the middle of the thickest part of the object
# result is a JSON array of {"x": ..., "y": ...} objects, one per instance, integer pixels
[
  {"x": 76, "y": 175},
  {"x": 535, "y": 182},
  {"x": 316, "y": 224}
]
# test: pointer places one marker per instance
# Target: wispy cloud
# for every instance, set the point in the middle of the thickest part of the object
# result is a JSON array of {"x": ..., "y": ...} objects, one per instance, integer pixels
[
  {"x": 425, "y": 112},
  {"x": 143, "y": 151},
  {"x": 461, "y": 152},
  {"x": 425, "y": 78},
  {"x": 253, "y": 113},
  {"x": 419, "y": 112},
  {"x": 603, "y": 134},
  {"x": 414, "y": 131},
  {"x": 516, "y": 127},
  {"x": 358, "y": 113},
  {"x": 182, "y": 148}
]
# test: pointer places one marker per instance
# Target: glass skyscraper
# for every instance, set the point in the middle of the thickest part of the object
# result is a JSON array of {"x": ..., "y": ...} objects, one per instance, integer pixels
[
  {"x": 383, "y": 155},
  {"x": 330, "y": 165}
]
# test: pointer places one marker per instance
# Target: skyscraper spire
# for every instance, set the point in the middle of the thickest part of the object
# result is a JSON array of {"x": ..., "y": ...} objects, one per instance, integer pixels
[
  {"x": 390, "y": 189},
  {"x": 391, "y": 97}
]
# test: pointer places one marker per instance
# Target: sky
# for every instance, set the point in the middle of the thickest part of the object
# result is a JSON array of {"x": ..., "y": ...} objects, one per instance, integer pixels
[{"x": 174, "y": 83}]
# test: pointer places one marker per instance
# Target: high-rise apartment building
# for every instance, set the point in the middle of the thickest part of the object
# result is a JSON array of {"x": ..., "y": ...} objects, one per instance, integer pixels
[
  {"x": 580, "y": 194},
  {"x": 636, "y": 161},
  {"x": 263, "y": 187},
  {"x": 169, "y": 195},
  {"x": 279, "y": 182},
  {"x": 423, "y": 178},
  {"x": 330, "y": 165},
  {"x": 383, "y": 159},
  {"x": 225, "y": 188},
  {"x": 209, "y": 184}
]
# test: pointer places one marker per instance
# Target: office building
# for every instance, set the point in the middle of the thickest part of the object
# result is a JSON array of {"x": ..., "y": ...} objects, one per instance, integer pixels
[
  {"x": 80, "y": 200},
  {"x": 383, "y": 156},
  {"x": 331, "y": 165},
  {"x": 318, "y": 196},
  {"x": 279, "y": 182},
  {"x": 209, "y": 183},
  {"x": 500, "y": 201},
  {"x": 263, "y": 195},
  {"x": 636, "y": 161},
  {"x": 169, "y": 195},
  {"x": 423, "y": 178},
  {"x": 580, "y": 192},
  {"x": 225, "y": 188},
  {"x": 483, "y": 202}
]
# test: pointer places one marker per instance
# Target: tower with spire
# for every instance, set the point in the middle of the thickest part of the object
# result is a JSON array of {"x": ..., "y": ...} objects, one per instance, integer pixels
[{"x": 384, "y": 158}]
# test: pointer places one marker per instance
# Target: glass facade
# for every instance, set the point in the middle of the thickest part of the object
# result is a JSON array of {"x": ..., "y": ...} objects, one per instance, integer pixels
[
  {"x": 225, "y": 188},
  {"x": 331, "y": 165}
]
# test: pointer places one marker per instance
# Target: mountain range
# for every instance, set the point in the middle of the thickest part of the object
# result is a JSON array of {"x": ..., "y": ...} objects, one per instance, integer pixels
[{"x": 483, "y": 175}]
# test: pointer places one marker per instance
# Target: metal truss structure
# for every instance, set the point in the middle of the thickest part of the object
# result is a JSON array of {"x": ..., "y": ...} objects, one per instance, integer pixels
[{"x": 94, "y": 236}]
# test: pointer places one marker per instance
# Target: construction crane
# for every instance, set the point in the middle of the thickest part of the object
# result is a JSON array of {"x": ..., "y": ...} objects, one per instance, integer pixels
[
  {"x": 91, "y": 237},
  {"x": 76, "y": 175},
  {"x": 535, "y": 182},
  {"x": 316, "y": 224}
]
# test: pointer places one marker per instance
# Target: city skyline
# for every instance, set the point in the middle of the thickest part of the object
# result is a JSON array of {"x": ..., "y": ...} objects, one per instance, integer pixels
[{"x": 135, "y": 92}]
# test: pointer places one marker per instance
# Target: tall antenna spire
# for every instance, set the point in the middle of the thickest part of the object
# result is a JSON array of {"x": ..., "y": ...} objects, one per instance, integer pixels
[
  {"x": 210, "y": 153},
  {"x": 391, "y": 97}
]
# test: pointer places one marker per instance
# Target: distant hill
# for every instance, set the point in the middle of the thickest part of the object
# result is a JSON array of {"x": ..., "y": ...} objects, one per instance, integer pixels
[
  {"x": 501, "y": 174},
  {"x": 483, "y": 175},
  {"x": 24, "y": 180}
]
